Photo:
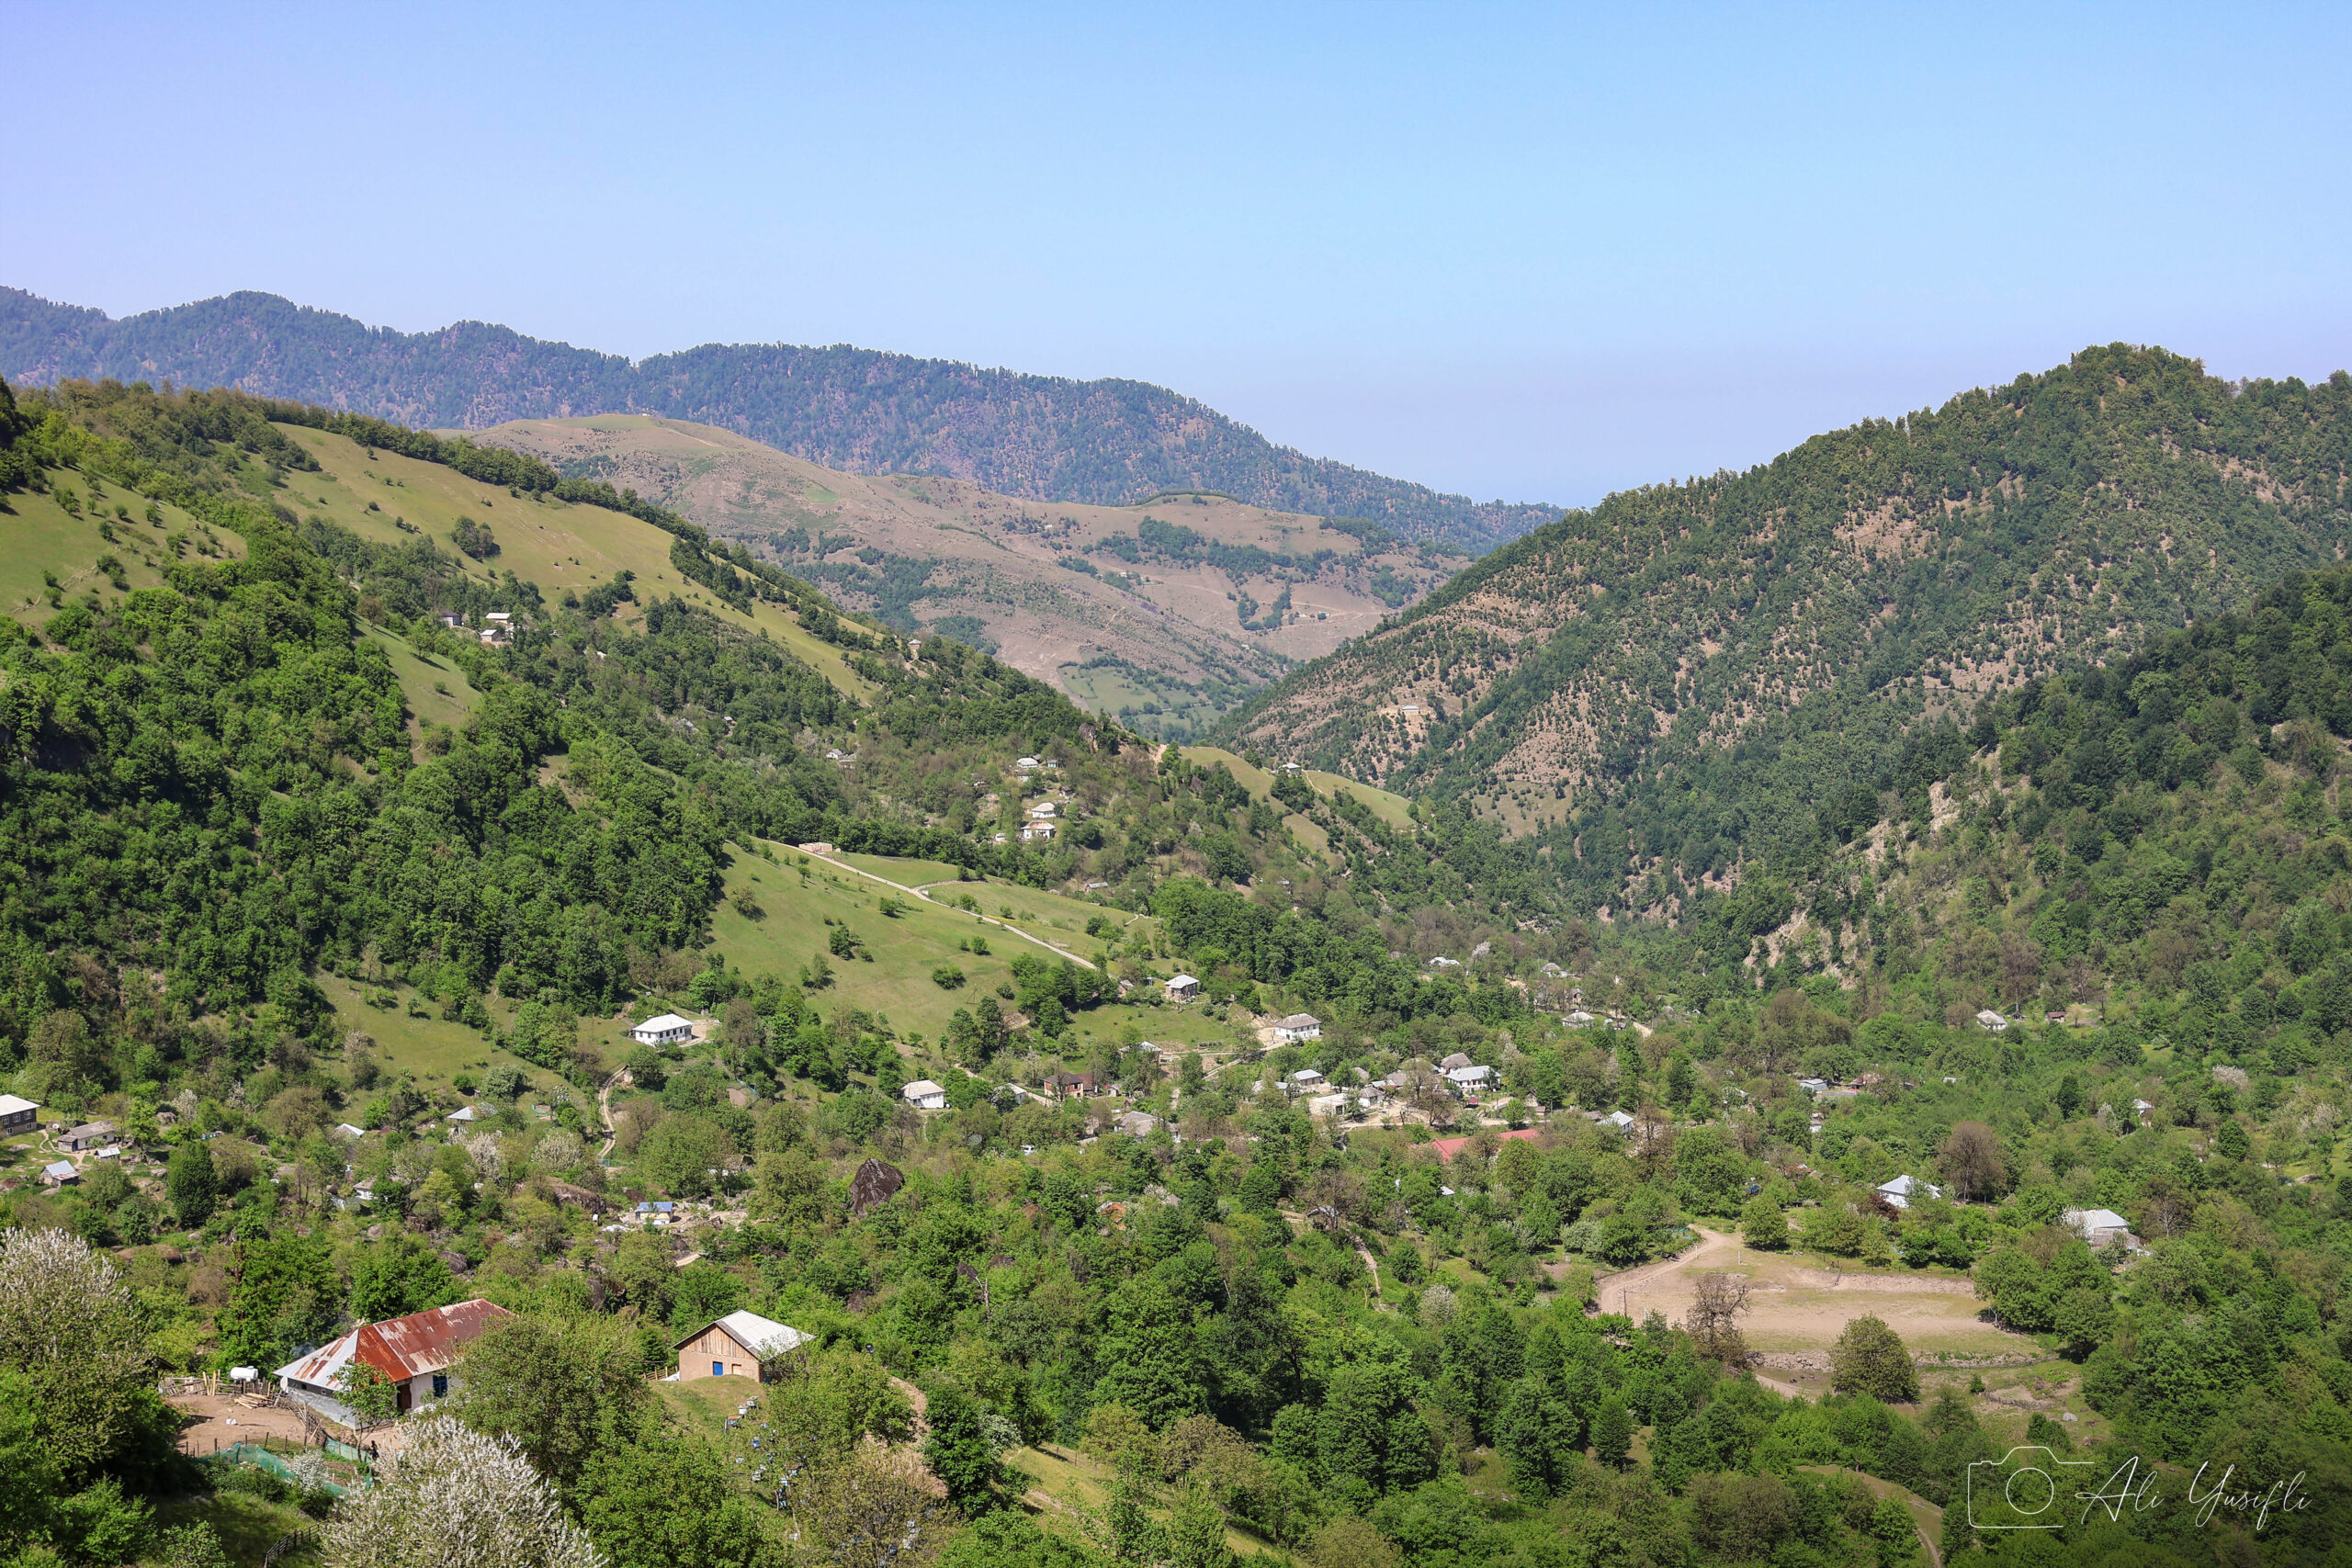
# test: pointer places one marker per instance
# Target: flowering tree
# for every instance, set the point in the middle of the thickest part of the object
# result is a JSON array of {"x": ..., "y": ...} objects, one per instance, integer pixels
[
  {"x": 68, "y": 1323},
  {"x": 455, "y": 1498}
]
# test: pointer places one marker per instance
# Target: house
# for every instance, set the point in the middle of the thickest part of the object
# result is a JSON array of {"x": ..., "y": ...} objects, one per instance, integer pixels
[
  {"x": 463, "y": 1113},
  {"x": 1991, "y": 1021},
  {"x": 2097, "y": 1226},
  {"x": 1298, "y": 1026},
  {"x": 1025, "y": 764},
  {"x": 1471, "y": 1079},
  {"x": 1306, "y": 1080},
  {"x": 412, "y": 1353},
  {"x": 1442, "y": 962},
  {"x": 740, "y": 1345},
  {"x": 1454, "y": 1059},
  {"x": 1446, "y": 1149},
  {"x": 1617, "y": 1119},
  {"x": 1578, "y": 1018},
  {"x": 1034, "y": 831},
  {"x": 346, "y": 1130},
  {"x": 656, "y": 1213},
  {"x": 88, "y": 1135},
  {"x": 1553, "y": 972},
  {"x": 16, "y": 1115},
  {"x": 1135, "y": 1123},
  {"x": 1043, "y": 811},
  {"x": 667, "y": 1029},
  {"x": 924, "y": 1095},
  {"x": 1902, "y": 1189},
  {"x": 1070, "y": 1086},
  {"x": 1330, "y": 1104},
  {"x": 1182, "y": 989},
  {"x": 58, "y": 1173},
  {"x": 2141, "y": 1108},
  {"x": 1814, "y": 1086}
]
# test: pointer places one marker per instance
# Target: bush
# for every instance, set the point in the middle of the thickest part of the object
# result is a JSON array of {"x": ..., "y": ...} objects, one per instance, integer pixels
[
  {"x": 1761, "y": 1224},
  {"x": 1870, "y": 1358},
  {"x": 947, "y": 977}
]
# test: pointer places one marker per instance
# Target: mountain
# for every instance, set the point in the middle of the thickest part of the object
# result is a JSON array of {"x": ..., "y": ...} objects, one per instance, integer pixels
[
  {"x": 1696, "y": 683},
  {"x": 1078, "y": 595},
  {"x": 1039, "y": 438}
]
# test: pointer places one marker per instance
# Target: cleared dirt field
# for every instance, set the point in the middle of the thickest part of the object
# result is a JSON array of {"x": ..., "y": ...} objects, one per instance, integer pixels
[{"x": 1798, "y": 1306}]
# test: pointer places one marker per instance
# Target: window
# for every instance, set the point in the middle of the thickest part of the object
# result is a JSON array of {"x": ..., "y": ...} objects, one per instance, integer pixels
[{"x": 440, "y": 1385}]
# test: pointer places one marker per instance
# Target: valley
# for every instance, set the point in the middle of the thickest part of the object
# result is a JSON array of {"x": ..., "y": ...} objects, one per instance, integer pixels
[{"x": 1164, "y": 641}]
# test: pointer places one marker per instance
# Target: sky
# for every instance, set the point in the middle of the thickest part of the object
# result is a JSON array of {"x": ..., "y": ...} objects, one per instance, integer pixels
[{"x": 1522, "y": 253}]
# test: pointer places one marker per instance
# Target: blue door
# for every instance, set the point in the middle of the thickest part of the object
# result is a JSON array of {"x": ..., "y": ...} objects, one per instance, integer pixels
[
  {"x": 440, "y": 1386},
  {"x": 718, "y": 1369}
]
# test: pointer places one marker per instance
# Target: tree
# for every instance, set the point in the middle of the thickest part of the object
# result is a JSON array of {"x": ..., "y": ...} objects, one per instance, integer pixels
[
  {"x": 1763, "y": 1225},
  {"x": 190, "y": 1183},
  {"x": 559, "y": 1388},
  {"x": 455, "y": 1497},
  {"x": 1712, "y": 1321},
  {"x": 963, "y": 1450},
  {"x": 1870, "y": 1358},
  {"x": 1972, "y": 1161},
  {"x": 871, "y": 1507},
  {"x": 681, "y": 1151},
  {"x": 1349, "y": 1542},
  {"x": 2231, "y": 1142},
  {"x": 287, "y": 1293},
  {"x": 665, "y": 1500},
  {"x": 398, "y": 1276},
  {"x": 1613, "y": 1435}
]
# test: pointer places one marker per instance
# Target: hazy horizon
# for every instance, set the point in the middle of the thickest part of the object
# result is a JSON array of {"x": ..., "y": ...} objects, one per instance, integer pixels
[{"x": 1494, "y": 250}]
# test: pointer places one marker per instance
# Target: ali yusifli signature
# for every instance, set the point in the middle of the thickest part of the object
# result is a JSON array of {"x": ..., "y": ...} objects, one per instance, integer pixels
[
  {"x": 2133, "y": 1487},
  {"x": 2022, "y": 1491}
]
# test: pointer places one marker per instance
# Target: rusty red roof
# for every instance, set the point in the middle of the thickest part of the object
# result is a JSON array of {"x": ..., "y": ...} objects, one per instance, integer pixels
[
  {"x": 1448, "y": 1147},
  {"x": 400, "y": 1348}
]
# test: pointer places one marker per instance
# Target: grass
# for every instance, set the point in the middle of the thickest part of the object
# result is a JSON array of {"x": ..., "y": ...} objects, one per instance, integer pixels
[
  {"x": 1388, "y": 807},
  {"x": 435, "y": 691},
  {"x": 1924, "y": 1514},
  {"x": 1064, "y": 1473},
  {"x": 427, "y": 1049},
  {"x": 44, "y": 537},
  {"x": 553, "y": 543},
  {"x": 898, "y": 982},
  {"x": 909, "y": 872},
  {"x": 247, "y": 1526}
]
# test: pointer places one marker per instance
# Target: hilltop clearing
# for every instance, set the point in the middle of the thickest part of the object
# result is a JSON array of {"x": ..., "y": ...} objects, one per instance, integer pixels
[{"x": 1163, "y": 613}]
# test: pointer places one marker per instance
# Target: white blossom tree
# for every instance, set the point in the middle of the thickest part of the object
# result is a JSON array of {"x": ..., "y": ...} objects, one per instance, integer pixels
[
  {"x": 68, "y": 1322},
  {"x": 455, "y": 1498}
]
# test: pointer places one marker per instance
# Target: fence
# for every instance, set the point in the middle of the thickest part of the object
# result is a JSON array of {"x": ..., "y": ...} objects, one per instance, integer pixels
[{"x": 265, "y": 1455}]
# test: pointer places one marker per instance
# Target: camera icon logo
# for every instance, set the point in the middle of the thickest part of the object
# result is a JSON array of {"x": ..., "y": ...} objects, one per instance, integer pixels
[{"x": 2024, "y": 1489}]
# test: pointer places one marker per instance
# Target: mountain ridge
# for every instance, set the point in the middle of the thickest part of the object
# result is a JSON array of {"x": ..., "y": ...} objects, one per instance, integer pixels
[
  {"x": 1691, "y": 678},
  {"x": 1109, "y": 441}
]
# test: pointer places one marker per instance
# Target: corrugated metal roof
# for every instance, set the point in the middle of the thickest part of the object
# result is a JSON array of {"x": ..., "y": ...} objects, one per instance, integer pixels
[
  {"x": 400, "y": 1348},
  {"x": 761, "y": 1336}
]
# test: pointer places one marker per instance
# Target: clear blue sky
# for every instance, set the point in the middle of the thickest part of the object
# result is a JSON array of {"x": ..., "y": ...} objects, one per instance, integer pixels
[{"x": 1516, "y": 251}]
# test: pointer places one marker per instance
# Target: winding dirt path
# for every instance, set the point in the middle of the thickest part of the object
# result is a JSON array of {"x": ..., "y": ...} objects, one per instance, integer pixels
[{"x": 923, "y": 893}]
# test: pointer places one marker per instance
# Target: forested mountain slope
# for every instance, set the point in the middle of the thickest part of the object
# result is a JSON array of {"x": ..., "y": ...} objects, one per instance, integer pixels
[
  {"x": 1692, "y": 677},
  {"x": 1042, "y": 437}
]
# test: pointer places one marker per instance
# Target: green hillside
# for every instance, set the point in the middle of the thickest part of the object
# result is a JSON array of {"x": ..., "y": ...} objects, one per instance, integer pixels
[{"x": 1652, "y": 698}]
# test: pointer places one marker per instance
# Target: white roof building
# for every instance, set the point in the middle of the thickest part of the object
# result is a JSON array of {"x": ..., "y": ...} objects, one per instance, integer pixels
[
  {"x": 924, "y": 1095},
  {"x": 1183, "y": 987},
  {"x": 666, "y": 1029},
  {"x": 463, "y": 1113},
  {"x": 1991, "y": 1022},
  {"x": 1471, "y": 1077},
  {"x": 1298, "y": 1026},
  {"x": 2096, "y": 1226},
  {"x": 18, "y": 1115},
  {"x": 1902, "y": 1189},
  {"x": 1617, "y": 1119}
]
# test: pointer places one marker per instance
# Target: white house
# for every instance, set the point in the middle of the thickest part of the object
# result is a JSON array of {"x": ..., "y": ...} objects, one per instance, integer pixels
[
  {"x": 2097, "y": 1226},
  {"x": 1902, "y": 1189},
  {"x": 1306, "y": 1080},
  {"x": 740, "y": 1345},
  {"x": 1991, "y": 1021},
  {"x": 924, "y": 1095},
  {"x": 1182, "y": 989},
  {"x": 1577, "y": 1018},
  {"x": 1298, "y": 1026},
  {"x": 1043, "y": 811},
  {"x": 1025, "y": 764},
  {"x": 16, "y": 1115},
  {"x": 1471, "y": 1079},
  {"x": 1031, "y": 831},
  {"x": 1617, "y": 1119},
  {"x": 412, "y": 1353},
  {"x": 463, "y": 1113},
  {"x": 1442, "y": 962},
  {"x": 1337, "y": 1104},
  {"x": 666, "y": 1029}
]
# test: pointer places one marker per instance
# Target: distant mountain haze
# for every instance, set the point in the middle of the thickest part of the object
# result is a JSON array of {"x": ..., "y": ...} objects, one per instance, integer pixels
[{"x": 1038, "y": 437}]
